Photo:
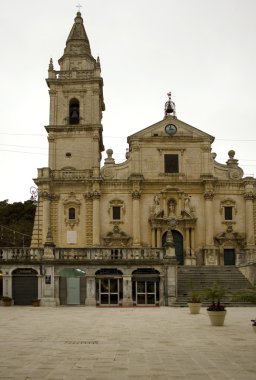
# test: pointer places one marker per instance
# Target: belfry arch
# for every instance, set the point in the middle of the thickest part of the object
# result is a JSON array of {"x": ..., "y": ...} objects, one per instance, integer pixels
[{"x": 74, "y": 111}]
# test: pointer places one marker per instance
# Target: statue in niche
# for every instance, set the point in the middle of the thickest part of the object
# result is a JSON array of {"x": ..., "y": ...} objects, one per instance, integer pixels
[
  {"x": 171, "y": 208},
  {"x": 157, "y": 209},
  {"x": 188, "y": 207}
]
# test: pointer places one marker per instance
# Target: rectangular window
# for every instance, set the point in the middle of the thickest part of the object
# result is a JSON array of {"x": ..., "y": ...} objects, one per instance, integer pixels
[
  {"x": 228, "y": 213},
  {"x": 116, "y": 212},
  {"x": 71, "y": 213},
  {"x": 171, "y": 163}
]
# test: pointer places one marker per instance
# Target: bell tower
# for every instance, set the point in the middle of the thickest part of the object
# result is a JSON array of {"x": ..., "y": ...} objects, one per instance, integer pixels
[{"x": 76, "y": 105}]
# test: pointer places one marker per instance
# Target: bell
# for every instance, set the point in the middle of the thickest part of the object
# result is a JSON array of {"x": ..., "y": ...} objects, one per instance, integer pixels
[
  {"x": 168, "y": 107},
  {"x": 74, "y": 116}
]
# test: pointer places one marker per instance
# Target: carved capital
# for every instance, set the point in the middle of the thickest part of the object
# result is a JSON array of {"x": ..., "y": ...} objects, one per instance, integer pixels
[
  {"x": 249, "y": 196},
  {"x": 209, "y": 195},
  {"x": 136, "y": 194},
  {"x": 46, "y": 196},
  {"x": 96, "y": 194},
  {"x": 89, "y": 195}
]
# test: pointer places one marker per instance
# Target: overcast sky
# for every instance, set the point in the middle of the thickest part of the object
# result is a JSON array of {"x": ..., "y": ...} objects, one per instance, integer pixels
[{"x": 203, "y": 51}]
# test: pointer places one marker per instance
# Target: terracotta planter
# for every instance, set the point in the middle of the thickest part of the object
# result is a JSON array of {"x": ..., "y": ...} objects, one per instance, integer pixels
[
  {"x": 36, "y": 303},
  {"x": 194, "y": 308},
  {"x": 7, "y": 303},
  {"x": 217, "y": 317}
]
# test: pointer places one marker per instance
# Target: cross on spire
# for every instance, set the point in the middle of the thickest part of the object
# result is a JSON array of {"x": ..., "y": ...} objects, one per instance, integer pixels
[{"x": 78, "y": 6}]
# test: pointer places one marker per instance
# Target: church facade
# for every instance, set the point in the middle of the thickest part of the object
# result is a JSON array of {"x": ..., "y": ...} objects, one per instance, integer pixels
[{"x": 114, "y": 234}]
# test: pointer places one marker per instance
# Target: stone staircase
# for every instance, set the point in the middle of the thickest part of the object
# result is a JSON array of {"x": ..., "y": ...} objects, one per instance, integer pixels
[{"x": 204, "y": 277}]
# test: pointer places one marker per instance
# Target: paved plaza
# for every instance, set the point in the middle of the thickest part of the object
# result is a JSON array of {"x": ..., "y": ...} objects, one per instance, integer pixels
[{"x": 86, "y": 343}]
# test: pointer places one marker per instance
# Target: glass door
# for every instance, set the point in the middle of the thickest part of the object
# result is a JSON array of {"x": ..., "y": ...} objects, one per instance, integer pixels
[
  {"x": 109, "y": 290},
  {"x": 146, "y": 292}
]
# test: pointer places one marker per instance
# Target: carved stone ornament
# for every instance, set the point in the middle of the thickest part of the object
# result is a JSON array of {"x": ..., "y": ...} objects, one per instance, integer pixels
[
  {"x": 157, "y": 210},
  {"x": 116, "y": 238},
  {"x": 116, "y": 203},
  {"x": 228, "y": 203},
  {"x": 230, "y": 238},
  {"x": 236, "y": 173},
  {"x": 209, "y": 195},
  {"x": 136, "y": 194},
  {"x": 107, "y": 173},
  {"x": 71, "y": 202},
  {"x": 249, "y": 196}
]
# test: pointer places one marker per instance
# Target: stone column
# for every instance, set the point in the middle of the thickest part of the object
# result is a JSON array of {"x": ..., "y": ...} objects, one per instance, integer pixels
[
  {"x": 96, "y": 160},
  {"x": 48, "y": 286},
  {"x": 136, "y": 216},
  {"x": 165, "y": 205},
  {"x": 249, "y": 225},
  {"x": 153, "y": 240},
  {"x": 161, "y": 291},
  {"x": 208, "y": 196},
  {"x": 127, "y": 290},
  {"x": 158, "y": 238},
  {"x": 52, "y": 146},
  {"x": 187, "y": 249},
  {"x": 46, "y": 215},
  {"x": 90, "y": 291},
  {"x": 193, "y": 242},
  {"x": 136, "y": 159},
  {"x": 170, "y": 282},
  {"x": 96, "y": 218}
]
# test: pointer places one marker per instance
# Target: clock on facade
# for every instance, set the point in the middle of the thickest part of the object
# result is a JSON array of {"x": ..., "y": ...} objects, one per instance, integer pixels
[{"x": 170, "y": 129}]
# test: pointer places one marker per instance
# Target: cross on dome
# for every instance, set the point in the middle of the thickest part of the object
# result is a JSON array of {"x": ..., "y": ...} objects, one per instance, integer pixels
[{"x": 79, "y": 6}]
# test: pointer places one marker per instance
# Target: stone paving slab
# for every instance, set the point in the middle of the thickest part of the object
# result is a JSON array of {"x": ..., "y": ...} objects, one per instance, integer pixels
[{"x": 86, "y": 343}]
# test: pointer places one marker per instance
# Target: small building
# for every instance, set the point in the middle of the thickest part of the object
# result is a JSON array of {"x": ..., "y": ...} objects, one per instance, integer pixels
[{"x": 115, "y": 234}]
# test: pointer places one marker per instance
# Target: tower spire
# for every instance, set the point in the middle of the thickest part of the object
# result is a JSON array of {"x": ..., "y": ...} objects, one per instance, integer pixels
[{"x": 77, "y": 43}]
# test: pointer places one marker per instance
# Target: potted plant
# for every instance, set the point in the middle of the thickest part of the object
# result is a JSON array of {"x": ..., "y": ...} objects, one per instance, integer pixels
[
  {"x": 194, "y": 302},
  {"x": 36, "y": 302},
  {"x": 7, "y": 301},
  {"x": 216, "y": 311}
]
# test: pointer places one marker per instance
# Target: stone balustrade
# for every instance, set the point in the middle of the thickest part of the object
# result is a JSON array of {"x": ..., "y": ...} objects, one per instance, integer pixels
[
  {"x": 15, "y": 254},
  {"x": 20, "y": 253}
]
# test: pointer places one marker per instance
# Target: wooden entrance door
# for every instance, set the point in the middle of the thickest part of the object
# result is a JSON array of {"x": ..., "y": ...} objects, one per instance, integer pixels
[{"x": 229, "y": 257}]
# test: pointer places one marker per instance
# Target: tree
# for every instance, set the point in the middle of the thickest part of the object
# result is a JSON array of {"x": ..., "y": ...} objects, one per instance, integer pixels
[{"x": 16, "y": 223}]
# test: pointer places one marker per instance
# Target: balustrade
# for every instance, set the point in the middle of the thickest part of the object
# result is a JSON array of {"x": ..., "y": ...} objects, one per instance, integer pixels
[{"x": 25, "y": 253}]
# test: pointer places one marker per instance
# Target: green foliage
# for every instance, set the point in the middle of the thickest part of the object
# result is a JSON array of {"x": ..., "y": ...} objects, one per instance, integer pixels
[
  {"x": 246, "y": 295},
  {"x": 215, "y": 293},
  {"x": 195, "y": 295},
  {"x": 16, "y": 223}
]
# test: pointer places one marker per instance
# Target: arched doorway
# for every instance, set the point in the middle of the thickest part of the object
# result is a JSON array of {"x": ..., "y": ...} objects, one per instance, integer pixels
[
  {"x": 178, "y": 244},
  {"x": 109, "y": 286},
  {"x": 72, "y": 290},
  {"x": 24, "y": 286},
  {"x": 145, "y": 286}
]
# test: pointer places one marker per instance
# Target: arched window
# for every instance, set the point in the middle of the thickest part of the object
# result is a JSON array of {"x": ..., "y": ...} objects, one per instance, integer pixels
[
  {"x": 74, "y": 114},
  {"x": 71, "y": 213}
]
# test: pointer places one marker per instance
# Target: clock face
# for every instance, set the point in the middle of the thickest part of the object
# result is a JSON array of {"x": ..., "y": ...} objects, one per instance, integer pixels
[{"x": 170, "y": 129}]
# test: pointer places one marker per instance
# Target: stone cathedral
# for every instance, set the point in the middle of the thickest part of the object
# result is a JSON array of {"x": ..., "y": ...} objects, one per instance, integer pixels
[{"x": 117, "y": 234}]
